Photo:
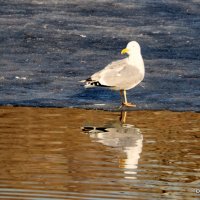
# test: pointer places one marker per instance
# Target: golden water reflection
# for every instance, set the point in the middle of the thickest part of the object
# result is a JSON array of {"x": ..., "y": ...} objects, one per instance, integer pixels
[
  {"x": 124, "y": 138},
  {"x": 45, "y": 155}
]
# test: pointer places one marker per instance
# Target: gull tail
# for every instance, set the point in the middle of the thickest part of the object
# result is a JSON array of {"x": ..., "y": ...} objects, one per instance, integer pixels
[{"x": 89, "y": 83}]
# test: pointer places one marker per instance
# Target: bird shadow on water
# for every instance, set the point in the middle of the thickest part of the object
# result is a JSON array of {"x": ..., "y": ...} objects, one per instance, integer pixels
[
  {"x": 101, "y": 99},
  {"x": 125, "y": 138},
  {"x": 97, "y": 98}
]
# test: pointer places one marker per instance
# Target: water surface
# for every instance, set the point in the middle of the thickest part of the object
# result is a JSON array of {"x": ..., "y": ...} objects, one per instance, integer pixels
[{"x": 47, "y": 46}]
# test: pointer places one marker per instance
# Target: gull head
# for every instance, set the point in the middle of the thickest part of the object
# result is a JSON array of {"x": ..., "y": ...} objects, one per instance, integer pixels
[{"x": 132, "y": 47}]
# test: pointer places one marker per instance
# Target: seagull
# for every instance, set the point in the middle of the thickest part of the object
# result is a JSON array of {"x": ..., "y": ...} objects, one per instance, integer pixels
[{"x": 121, "y": 75}]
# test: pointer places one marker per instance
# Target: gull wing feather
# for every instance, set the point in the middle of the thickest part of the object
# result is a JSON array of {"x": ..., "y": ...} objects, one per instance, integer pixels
[
  {"x": 116, "y": 66},
  {"x": 119, "y": 75}
]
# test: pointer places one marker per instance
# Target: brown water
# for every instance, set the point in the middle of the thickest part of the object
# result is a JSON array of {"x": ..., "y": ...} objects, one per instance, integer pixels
[{"x": 87, "y": 154}]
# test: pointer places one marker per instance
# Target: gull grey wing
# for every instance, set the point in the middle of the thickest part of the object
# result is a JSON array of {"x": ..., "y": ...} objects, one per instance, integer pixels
[
  {"x": 117, "y": 65},
  {"x": 123, "y": 76}
]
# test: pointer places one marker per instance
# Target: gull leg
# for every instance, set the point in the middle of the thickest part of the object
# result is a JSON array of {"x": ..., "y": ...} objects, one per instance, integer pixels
[
  {"x": 125, "y": 103},
  {"x": 125, "y": 97},
  {"x": 122, "y": 98}
]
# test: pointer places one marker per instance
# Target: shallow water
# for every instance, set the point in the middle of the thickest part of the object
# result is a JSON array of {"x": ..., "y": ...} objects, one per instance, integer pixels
[
  {"x": 48, "y": 46},
  {"x": 86, "y": 154}
]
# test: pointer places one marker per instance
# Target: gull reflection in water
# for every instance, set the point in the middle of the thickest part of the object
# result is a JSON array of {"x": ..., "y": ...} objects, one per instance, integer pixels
[{"x": 124, "y": 137}]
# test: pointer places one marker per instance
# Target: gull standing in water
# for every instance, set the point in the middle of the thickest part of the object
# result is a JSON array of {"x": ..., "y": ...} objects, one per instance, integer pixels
[{"x": 122, "y": 74}]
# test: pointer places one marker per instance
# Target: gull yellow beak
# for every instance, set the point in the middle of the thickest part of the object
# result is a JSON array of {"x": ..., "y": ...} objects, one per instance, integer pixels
[{"x": 124, "y": 51}]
